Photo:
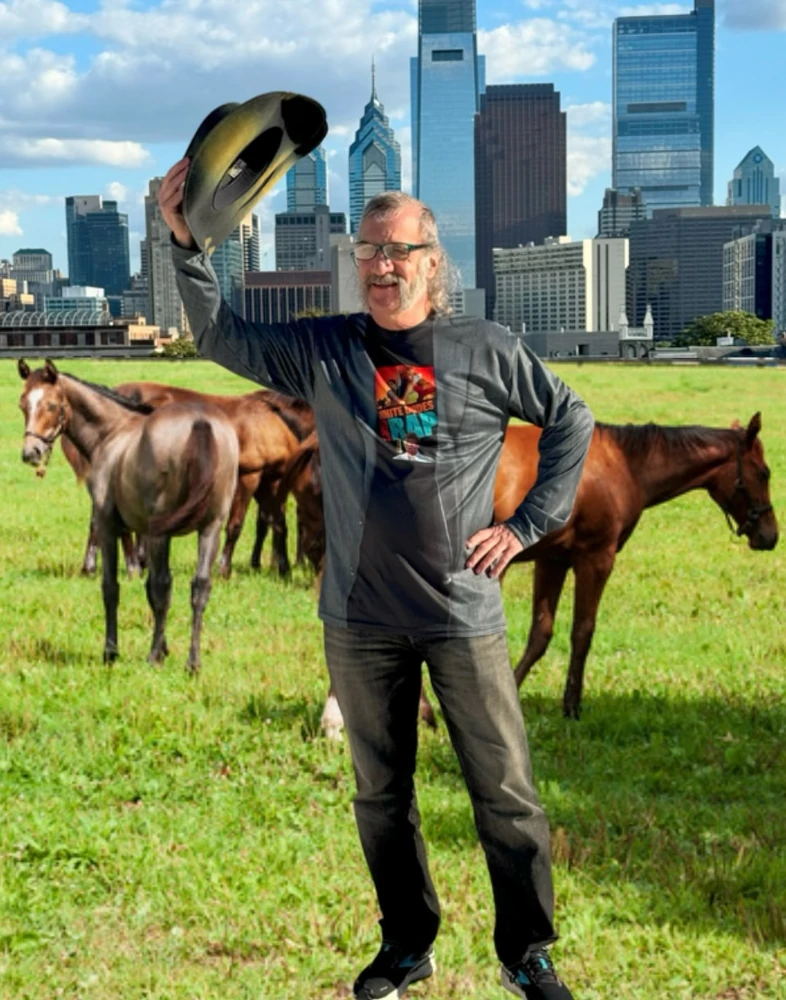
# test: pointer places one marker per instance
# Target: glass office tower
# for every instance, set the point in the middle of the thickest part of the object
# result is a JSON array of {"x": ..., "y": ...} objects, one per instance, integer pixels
[
  {"x": 98, "y": 251},
  {"x": 307, "y": 182},
  {"x": 374, "y": 158},
  {"x": 663, "y": 107},
  {"x": 446, "y": 83}
]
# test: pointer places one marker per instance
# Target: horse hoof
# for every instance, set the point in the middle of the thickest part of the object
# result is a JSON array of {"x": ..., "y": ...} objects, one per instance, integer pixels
[{"x": 110, "y": 655}]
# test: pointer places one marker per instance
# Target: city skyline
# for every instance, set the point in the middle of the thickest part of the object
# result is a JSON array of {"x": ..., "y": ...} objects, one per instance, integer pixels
[{"x": 75, "y": 118}]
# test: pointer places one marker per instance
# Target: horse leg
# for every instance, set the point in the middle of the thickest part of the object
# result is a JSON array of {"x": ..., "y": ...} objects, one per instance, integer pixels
[
  {"x": 110, "y": 590},
  {"x": 131, "y": 555},
  {"x": 280, "y": 557},
  {"x": 158, "y": 587},
  {"x": 592, "y": 572},
  {"x": 549, "y": 578},
  {"x": 246, "y": 487},
  {"x": 200, "y": 588},
  {"x": 259, "y": 540},
  {"x": 272, "y": 513},
  {"x": 91, "y": 549}
]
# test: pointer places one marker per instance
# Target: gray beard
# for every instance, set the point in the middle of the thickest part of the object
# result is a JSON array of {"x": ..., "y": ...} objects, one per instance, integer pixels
[{"x": 408, "y": 291}]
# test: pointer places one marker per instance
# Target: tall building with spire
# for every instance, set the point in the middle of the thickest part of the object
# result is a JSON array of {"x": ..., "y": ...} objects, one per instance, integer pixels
[
  {"x": 663, "y": 106},
  {"x": 447, "y": 79},
  {"x": 374, "y": 157},
  {"x": 307, "y": 182},
  {"x": 754, "y": 182}
]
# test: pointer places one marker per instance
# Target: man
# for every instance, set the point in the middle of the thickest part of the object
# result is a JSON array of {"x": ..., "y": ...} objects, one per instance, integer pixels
[{"x": 413, "y": 562}]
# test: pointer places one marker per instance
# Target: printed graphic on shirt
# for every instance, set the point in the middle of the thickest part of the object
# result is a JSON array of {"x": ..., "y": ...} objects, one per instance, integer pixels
[{"x": 406, "y": 406}]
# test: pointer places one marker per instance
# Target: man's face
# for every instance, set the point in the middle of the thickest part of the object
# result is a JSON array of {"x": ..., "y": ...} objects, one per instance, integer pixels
[
  {"x": 411, "y": 447},
  {"x": 389, "y": 287}
]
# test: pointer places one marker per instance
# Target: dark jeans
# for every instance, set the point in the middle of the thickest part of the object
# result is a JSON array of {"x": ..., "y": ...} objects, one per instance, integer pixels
[{"x": 376, "y": 679}]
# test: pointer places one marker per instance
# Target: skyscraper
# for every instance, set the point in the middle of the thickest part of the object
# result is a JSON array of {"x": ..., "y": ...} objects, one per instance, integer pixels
[
  {"x": 374, "y": 158},
  {"x": 303, "y": 239},
  {"x": 97, "y": 236},
  {"x": 228, "y": 263},
  {"x": 307, "y": 182},
  {"x": 249, "y": 231},
  {"x": 520, "y": 173},
  {"x": 755, "y": 183},
  {"x": 166, "y": 308},
  {"x": 676, "y": 263},
  {"x": 447, "y": 78},
  {"x": 663, "y": 106}
]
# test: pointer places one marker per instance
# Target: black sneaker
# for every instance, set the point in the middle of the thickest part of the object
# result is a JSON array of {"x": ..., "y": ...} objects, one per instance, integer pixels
[
  {"x": 535, "y": 978},
  {"x": 392, "y": 971}
]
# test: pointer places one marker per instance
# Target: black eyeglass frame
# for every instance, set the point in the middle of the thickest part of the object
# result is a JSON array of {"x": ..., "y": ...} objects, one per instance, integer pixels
[{"x": 381, "y": 247}]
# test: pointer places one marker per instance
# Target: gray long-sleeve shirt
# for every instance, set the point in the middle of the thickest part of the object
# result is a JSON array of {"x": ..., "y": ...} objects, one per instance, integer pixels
[{"x": 410, "y": 426}]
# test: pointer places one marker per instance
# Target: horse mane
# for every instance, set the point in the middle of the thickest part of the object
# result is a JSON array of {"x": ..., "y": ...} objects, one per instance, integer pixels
[
  {"x": 127, "y": 402},
  {"x": 292, "y": 411},
  {"x": 644, "y": 438}
]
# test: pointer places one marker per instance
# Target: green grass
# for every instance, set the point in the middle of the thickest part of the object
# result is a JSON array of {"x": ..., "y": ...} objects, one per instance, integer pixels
[{"x": 166, "y": 837}]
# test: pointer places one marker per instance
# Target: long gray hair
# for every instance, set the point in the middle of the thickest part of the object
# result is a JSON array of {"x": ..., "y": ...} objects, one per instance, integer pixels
[{"x": 443, "y": 282}]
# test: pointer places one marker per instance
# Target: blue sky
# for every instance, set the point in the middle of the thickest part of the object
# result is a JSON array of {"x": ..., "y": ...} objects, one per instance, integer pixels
[{"x": 98, "y": 97}]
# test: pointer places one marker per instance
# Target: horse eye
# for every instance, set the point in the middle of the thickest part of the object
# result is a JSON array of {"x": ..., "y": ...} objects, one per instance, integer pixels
[{"x": 52, "y": 407}]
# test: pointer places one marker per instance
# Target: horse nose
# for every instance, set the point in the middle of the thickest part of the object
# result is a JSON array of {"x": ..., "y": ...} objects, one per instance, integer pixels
[
  {"x": 31, "y": 453},
  {"x": 764, "y": 541}
]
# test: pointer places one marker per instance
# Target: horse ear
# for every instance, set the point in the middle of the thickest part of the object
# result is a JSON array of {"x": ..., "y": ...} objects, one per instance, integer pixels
[
  {"x": 752, "y": 429},
  {"x": 50, "y": 372},
  {"x": 23, "y": 368}
]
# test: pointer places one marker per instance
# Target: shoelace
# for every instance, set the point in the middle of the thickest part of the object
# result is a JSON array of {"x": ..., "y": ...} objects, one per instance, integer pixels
[{"x": 539, "y": 968}]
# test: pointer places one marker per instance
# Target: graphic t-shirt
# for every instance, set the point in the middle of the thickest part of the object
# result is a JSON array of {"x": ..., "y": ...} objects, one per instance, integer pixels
[{"x": 405, "y": 545}]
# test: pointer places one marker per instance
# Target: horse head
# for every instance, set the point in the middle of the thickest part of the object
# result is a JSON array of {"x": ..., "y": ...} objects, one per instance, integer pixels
[
  {"x": 741, "y": 487},
  {"x": 43, "y": 403}
]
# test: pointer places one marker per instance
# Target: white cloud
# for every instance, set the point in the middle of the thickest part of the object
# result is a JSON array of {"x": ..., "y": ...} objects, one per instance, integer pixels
[
  {"x": 588, "y": 156},
  {"x": 755, "y": 15},
  {"x": 643, "y": 10},
  {"x": 532, "y": 48},
  {"x": 37, "y": 82},
  {"x": 9, "y": 224},
  {"x": 588, "y": 114},
  {"x": 36, "y": 18},
  {"x": 115, "y": 191},
  {"x": 19, "y": 151}
]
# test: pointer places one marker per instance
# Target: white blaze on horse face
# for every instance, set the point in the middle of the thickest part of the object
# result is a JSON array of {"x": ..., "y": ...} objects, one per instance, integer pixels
[{"x": 34, "y": 397}]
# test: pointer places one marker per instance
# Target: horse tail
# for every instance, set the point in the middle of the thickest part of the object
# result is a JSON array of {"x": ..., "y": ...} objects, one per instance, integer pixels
[{"x": 200, "y": 456}]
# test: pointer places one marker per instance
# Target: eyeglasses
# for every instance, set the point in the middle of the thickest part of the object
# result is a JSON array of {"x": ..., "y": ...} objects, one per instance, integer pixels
[{"x": 390, "y": 251}]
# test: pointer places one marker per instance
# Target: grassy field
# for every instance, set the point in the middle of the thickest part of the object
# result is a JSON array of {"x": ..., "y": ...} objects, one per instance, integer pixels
[{"x": 180, "y": 839}]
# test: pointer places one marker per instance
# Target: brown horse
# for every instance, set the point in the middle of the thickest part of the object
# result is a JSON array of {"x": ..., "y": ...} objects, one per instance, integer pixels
[
  {"x": 269, "y": 428},
  {"x": 158, "y": 473},
  {"x": 627, "y": 470},
  {"x": 303, "y": 479}
]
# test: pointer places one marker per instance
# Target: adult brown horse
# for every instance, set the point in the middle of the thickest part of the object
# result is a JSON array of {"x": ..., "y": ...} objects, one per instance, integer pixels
[
  {"x": 627, "y": 469},
  {"x": 269, "y": 428},
  {"x": 159, "y": 473}
]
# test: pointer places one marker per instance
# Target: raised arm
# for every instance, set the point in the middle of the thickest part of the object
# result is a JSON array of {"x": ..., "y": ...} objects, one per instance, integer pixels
[{"x": 278, "y": 355}]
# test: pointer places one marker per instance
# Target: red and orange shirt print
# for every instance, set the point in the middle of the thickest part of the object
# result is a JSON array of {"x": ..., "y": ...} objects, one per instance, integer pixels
[{"x": 406, "y": 403}]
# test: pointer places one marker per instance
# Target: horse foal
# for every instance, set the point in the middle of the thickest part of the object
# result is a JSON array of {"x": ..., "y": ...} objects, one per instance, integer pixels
[{"x": 159, "y": 473}]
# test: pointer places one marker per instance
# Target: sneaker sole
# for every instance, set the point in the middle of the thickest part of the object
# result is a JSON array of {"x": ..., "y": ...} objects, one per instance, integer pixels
[{"x": 422, "y": 971}]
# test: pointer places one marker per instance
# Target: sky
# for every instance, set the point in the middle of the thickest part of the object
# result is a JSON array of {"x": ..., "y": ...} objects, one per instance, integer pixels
[{"x": 99, "y": 96}]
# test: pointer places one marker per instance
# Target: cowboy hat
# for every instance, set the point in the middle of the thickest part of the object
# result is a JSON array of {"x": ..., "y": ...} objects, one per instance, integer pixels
[{"x": 238, "y": 153}]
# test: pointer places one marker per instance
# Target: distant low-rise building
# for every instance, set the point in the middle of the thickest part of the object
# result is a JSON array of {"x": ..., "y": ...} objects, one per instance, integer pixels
[
  {"x": 754, "y": 272},
  {"x": 283, "y": 296},
  {"x": 561, "y": 285}
]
